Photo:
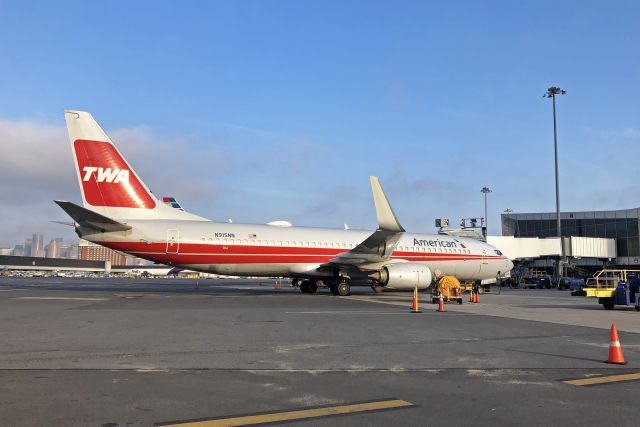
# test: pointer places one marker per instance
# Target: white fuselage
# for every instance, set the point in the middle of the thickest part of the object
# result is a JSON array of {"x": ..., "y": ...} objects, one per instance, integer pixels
[{"x": 265, "y": 250}]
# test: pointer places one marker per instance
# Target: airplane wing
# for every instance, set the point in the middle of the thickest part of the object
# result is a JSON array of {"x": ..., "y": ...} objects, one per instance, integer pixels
[{"x": 376, "y": 248}]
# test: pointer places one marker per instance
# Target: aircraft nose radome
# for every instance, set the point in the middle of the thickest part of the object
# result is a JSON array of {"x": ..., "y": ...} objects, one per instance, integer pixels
[{"x": 509, "y": 265}]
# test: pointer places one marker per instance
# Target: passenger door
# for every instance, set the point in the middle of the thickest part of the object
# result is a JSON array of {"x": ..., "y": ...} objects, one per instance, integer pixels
[{"x": 173, "y": 241}]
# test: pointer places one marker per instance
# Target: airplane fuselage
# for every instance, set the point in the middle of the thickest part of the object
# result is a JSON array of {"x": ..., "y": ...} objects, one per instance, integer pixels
[{"x": 265, "y": 250}]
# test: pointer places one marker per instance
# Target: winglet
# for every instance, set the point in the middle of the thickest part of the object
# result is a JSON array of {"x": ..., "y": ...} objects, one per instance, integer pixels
[{"x": 386, "y": 217}]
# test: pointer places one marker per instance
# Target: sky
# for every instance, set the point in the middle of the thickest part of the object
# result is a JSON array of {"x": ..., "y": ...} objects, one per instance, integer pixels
[{"x": 267, "y": 110}]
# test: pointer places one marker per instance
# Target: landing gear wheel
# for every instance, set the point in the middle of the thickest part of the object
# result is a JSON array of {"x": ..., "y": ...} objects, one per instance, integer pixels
[
  {"x": 334, "y": 289},
  {"x": 305, "y": 287},
  {"x": 377, "y": 289},
  {"x": 344, "y": 289},
  {"x": 313, "y": 287},
  {"x": 295, "y": 283}
]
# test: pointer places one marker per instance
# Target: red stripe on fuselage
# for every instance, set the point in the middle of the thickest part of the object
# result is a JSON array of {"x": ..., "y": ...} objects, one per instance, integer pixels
[{"x": 199, "y": 253}]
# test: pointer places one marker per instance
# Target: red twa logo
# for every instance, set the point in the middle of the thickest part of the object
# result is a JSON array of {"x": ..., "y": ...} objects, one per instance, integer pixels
[{"x": 107, "y": 179}]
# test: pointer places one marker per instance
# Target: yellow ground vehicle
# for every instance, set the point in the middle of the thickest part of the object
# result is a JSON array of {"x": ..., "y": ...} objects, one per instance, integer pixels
[
  {"x": 614, "y": 286},
  {"x": 449, "y": 288},
  {"x": 467, "y": 286}
]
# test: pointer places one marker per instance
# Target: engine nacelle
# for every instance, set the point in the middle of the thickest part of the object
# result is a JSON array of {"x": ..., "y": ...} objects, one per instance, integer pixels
[{"x": 404, "y": 275}]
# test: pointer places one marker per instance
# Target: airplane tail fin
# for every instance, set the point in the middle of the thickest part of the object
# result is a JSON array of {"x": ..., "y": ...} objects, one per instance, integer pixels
[{"x": 108, "y": 184}]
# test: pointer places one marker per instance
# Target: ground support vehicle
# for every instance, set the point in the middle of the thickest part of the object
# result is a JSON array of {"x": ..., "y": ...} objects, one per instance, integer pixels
[
  {"x": 575, "y": 284},
  {"x": 615, "y": 287},
  {"x": 449, "y": 288}
]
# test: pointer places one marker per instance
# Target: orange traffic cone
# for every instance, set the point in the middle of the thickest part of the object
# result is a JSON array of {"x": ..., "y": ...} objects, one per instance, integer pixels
[
  {"x": 471, "y": 296},
  {"x": 477, "y": 300},
  {"x": 615, "y": 350},
  {"x": 414, "y": 303},
  {"x": 441, "y": 305}
]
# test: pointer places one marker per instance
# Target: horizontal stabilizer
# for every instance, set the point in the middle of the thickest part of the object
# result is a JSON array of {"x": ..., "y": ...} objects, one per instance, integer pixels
[{"x": 90, "y": 219}]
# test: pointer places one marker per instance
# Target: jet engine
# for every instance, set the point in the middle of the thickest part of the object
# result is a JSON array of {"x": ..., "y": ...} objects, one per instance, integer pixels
[{"x": 404, "y": 275}]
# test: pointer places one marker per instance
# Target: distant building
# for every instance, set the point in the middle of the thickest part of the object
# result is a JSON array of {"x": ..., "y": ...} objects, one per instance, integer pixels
[
  {"x": 37, "y": 245},
  {"x": 18, "y": 250},
  {"x": 6, "y": 251},
  {"x": 54, "y": 248},
  {"x": 69, "y": 251},
  {"x": 27, "y": 247},
  {"x": 93, "y": 252},
  {"x": 621, "y": 225}
]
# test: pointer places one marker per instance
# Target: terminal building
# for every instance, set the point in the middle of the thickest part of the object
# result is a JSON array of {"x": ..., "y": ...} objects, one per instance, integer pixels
[{"x": 594, "y": 239}]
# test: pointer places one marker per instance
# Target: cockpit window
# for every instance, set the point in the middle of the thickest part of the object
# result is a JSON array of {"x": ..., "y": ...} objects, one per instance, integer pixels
[{"x": 498, "y": 252}]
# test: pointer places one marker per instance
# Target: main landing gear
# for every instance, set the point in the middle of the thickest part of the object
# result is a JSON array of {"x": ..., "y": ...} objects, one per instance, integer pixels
[
  {"x": 308, "y": 287},
  {"x": 342, "y": 288}
]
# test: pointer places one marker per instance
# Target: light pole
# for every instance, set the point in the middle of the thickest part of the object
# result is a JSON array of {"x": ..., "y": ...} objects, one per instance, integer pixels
[
  {"x": 485, "y": 190},
  {"x": 551, "y": 93}
]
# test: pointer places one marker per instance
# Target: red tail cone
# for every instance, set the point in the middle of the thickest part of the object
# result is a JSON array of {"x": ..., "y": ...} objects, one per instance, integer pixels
[{"x": 615, "y": 349}]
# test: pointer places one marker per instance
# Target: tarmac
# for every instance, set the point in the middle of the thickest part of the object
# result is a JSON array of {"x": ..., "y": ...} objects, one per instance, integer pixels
[{"x": 120, "y": 352}]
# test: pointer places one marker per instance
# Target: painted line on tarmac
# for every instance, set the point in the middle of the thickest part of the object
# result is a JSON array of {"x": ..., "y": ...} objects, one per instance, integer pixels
[
  {"x": 379, "y": 301},
  {"x": 347, "y": 312},
  {"x": 63, "y": 298},
  {"x": 300, "y": 414},
  {"x": 604, "y": 380},
  {"x": 11, "y": 290}
]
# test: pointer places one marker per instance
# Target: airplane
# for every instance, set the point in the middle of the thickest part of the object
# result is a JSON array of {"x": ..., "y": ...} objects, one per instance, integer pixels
[{"x": 120, "y": 212}]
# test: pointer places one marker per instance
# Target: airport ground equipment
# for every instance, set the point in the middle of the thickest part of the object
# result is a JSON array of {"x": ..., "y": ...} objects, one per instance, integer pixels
[
  {"x": 615, "y": 349},
  {"x": 615, "y": 287},
  {"x": 415, "y": 308},
  {"x": 572, "y": 283},
  {"x": 466, "y": 286},
  {"x": 448, "y": 287}
]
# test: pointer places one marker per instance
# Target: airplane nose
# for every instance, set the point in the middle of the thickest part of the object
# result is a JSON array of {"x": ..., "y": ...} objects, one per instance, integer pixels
[{"x": 509, "y": 265}]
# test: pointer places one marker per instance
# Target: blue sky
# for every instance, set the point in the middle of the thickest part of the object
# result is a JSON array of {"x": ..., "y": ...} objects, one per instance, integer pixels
[{"x": 263, "y": 110}]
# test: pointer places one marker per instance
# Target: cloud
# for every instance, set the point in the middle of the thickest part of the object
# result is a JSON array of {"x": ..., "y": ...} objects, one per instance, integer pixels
[
  {"x": 37, "y": 167},
  {"x": 236, "y": 173},
  {"x": 631, "y": 132}
]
